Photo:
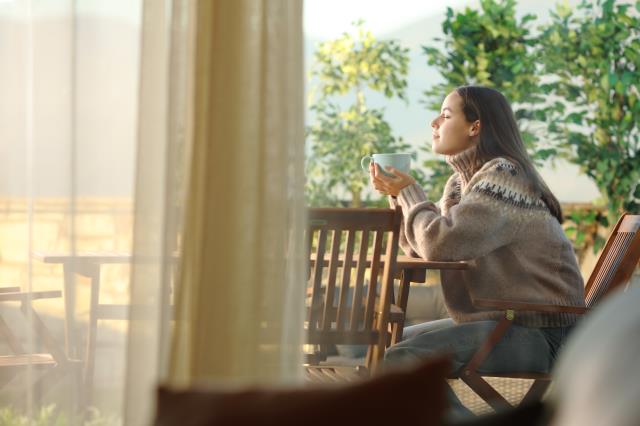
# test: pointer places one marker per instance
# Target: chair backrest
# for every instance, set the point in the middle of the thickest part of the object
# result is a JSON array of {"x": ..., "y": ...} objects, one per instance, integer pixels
[
  {"x": 351, "y": 277},
  {"x": 617, "y": 261}
]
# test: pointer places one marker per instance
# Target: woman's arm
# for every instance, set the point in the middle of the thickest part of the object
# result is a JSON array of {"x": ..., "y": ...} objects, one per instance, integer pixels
[
  {"x": 404, "y": 243},
  {"x": 446, "y": 201},
  {"x": 484, "y": 219}
]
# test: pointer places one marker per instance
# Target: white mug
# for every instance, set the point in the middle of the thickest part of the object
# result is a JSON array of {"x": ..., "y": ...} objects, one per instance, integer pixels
[{"x": 400, "y": 161}]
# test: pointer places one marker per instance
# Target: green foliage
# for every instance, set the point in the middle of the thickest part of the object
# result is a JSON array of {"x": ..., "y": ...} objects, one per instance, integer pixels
[
  {"x": 45, "y": 417},
  {"x": 50, "y": 415},
  {"x": 592, "y": 55},
  {"x": 340, "y": 137},
  {"x": 582, "y": 227},
  {"x": 352, "y": 62},
  {"x": 490, "y": 47}
]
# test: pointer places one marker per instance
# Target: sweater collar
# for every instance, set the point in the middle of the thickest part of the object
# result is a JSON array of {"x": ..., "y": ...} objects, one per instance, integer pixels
[{"x": 466, "y": 164}]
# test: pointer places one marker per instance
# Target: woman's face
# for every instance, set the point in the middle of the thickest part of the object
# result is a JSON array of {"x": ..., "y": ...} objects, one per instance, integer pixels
[{"x": 452, "y": 133}]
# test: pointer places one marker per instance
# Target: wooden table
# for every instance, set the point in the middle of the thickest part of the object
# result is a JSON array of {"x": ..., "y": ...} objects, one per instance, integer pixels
[
  {"x": 88, "y": 264},
  {"x": 411, "y": 270}
]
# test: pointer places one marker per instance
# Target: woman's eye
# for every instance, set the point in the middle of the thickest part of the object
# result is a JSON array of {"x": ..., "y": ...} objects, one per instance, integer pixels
[{"x": 447, "y": 116}]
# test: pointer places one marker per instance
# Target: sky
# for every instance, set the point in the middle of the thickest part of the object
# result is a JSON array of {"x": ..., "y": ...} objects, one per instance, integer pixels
[
  {"x": 127, "y": 10},
  {"x": 329, "y": 18}
]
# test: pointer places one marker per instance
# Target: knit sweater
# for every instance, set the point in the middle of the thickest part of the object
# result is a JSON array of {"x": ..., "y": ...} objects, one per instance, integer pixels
[{"x": 490, "y": 214}]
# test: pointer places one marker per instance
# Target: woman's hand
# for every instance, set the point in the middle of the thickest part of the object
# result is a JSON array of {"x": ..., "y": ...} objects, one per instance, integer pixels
[{"x": 389, "y": 185}]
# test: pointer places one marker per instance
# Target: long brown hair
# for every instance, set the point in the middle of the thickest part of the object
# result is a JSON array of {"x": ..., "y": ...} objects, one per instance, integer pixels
[{"x": 500, "y": 136}]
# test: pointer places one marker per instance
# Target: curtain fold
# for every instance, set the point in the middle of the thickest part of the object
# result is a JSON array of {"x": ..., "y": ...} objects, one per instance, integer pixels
[
  {"x": 240, "y": 298},
  {"x": 104, "y": 107},
  {"x": 164, "y": 134},
  {"x": 68, "y": 75}
]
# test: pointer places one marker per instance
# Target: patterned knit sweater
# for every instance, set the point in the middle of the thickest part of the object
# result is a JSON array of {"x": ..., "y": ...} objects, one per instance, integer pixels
[{"x": 490, "y": 214}]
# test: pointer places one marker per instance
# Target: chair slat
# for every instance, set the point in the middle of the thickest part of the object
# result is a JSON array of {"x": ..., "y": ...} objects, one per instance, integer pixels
[
  {"x": 309, "y": 235},
  {"x": 27, "y": 360},
  {"x": 612, "y": 251},
  {"x": 316, "y": 296},
  {"x": 374, "y": 280},
  {"x": 605, "y": 274},
  {"x": 343, "y": 305},
  {"x": 346, "y": 252},
  {"x": 597, "y": 284},
  {"x": 622, "y": 241},
  {"x": 331, "y": 282},
  {"x": 621, "y": 244},
  {"x": 356, "y": 305}
]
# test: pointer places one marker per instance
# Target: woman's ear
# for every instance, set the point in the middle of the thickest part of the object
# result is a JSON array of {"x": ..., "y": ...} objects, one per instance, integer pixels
[{"x": 475, "y": 129}]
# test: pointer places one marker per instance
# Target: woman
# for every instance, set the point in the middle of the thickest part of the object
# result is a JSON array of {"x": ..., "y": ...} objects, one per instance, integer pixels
[{"x": 497, "y": 210}]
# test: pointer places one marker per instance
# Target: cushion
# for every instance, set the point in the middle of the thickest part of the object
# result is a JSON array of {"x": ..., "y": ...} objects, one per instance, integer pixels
[
  {"x": 596, "y": 377},
  {"x": 413, "y": 396}
]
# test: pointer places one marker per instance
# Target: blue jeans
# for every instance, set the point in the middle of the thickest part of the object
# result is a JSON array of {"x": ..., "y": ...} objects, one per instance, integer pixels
[{"x": 521, "y": 349}]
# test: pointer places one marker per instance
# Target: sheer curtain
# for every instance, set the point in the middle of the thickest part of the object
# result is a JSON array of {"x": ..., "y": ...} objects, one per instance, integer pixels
[
  {"x": 233, "y": 109},
  {"x": 104, "y": 105},
  {"x": 241, "y": 300},
  {"x": 164, "y": 140},
  {"x": 69, "y": 74}
]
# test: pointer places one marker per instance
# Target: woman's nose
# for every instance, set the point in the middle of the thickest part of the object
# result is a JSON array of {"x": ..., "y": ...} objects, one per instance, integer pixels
[{"x": 434, "y": 123}]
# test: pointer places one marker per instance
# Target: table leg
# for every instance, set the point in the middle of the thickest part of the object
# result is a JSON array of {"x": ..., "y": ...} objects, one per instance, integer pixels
[
  {"x": 72, "y": 334},
  {"x": 403, "y": 298},
  {"x": 69, "y": 296},
  {"x": 403, "y": 293},
  {"x": 90, "y": 355}
]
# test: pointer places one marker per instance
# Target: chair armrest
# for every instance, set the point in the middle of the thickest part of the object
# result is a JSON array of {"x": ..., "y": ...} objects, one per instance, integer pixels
[
  {"x": 24, "y": 296},
  {"x": 525, "y": 306}
]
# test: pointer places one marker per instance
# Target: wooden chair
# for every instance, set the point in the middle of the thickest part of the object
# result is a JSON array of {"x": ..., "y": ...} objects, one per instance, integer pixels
[
  {"x": 52, "y": 362},
  {"x": 613, "y": 270},
  {"x": 350, "y": 288}
]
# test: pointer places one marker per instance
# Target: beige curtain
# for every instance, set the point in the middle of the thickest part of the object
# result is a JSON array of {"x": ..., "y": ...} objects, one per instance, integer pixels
[
  {"x": 240, "y": 302},
  {"x": 96, "y": 135},
  {"x": 163, "y": 146},
  {"x": 68, "y": 115}
]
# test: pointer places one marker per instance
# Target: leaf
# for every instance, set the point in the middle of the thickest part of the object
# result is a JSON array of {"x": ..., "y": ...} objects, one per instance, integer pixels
[
  {"x": 339, "y": 134},
  {"x": 603, "y": 220},
  {"x": 598, "y": 244},
  {"x": 575, "y": 117}
]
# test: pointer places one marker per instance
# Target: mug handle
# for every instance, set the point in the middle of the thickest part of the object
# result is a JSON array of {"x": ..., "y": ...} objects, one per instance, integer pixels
[{"x": 367, "y": 159}]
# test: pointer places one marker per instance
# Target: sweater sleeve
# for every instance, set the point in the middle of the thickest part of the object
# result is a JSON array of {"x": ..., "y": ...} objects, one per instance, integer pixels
[
  {"x": 485, "y": 219},
  {"x": 404, "y": 244},
  {"x": 450, "y": 194}
]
